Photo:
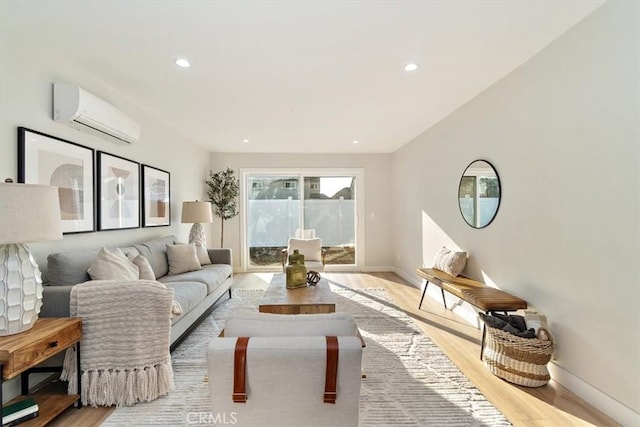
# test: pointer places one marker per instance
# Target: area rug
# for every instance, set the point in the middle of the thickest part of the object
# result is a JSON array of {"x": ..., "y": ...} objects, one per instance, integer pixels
[{"x": 410, "y": 381}]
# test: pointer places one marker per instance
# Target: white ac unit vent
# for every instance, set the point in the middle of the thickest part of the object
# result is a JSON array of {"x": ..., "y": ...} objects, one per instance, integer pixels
[{"x": 85, "y": 111}]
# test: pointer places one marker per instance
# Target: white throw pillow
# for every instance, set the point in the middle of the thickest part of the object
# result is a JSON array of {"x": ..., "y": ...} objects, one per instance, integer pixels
[
  {"x": 251, "y": 324},
  {"x": 451, "y": 262},
  {"x": 203, "y": 255},
  {"x": 113, "y": 265},
  {"x": 182, "y": 258},
  {"x": 310, "y": 248},
  {"x": 437, "y": 259},
  {"x": 146, "y": 272}
]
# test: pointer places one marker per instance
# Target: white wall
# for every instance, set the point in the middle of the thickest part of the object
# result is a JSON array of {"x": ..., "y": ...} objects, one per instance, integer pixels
[
  {"x": 25, "y": 87},
  {"x": 377, "y": 210},
  {"x": 563, "y": 133}
]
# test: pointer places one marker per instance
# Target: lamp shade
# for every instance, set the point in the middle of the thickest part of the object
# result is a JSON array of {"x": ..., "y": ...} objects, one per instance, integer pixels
[
  {"x": 196, "y": 212},
  {"x": 29, "y": 213}
]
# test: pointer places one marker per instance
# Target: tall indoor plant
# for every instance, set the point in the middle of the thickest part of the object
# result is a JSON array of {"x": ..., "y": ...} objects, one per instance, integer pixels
[{"x": 223, "y": 191}]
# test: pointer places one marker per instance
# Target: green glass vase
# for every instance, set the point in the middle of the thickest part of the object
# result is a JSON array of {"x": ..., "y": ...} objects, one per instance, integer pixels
[
  {"x": 296, "y": 276},
  {"x": 296, "y": 257}
]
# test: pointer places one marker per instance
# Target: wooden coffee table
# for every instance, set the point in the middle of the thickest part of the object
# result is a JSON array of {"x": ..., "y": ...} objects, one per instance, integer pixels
[{"x": 278, "y": 299}]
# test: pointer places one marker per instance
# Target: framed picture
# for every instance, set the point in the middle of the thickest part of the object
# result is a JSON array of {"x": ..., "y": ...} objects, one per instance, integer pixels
[
  {"x": 156, "y": 197},
  {"x": 118, "y": 192},
  {"x": 45, "y": 159}
]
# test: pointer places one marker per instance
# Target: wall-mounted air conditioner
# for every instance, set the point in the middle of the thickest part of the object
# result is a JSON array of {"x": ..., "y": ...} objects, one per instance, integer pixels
[{"x": 85, "y": 111}]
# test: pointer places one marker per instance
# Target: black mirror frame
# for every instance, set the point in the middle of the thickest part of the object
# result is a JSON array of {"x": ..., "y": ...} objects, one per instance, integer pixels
[{"x": 499, "y": 198}]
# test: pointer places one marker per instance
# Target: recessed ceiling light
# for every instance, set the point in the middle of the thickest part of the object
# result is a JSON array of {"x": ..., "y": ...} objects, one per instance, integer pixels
[
  {"x": 411, "y": 67},
  {"x": 245, "y": 141},
  {"x": 181, "y": 62},
  {"x": 355, "y": 141}
]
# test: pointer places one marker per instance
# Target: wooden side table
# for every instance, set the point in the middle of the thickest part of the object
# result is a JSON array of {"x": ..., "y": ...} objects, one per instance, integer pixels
[{"x": 20, "y": 353}]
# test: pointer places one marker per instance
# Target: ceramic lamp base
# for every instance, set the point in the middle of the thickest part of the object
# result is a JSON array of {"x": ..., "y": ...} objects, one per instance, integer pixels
[
  {"x": 197, "y": 236},
  {"x": 20, "y": 289}
]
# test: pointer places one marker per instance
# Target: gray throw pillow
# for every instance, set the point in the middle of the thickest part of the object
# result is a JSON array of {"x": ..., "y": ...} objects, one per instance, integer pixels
[
  {"x": 182, "y": 258},
  {"x": 146, "y": 272}
]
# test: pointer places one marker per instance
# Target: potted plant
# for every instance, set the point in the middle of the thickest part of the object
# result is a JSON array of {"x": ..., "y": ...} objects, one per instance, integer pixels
[{"x": 223, "y": 191}]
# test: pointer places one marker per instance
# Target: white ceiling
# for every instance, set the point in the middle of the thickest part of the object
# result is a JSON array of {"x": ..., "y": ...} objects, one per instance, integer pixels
[{"x": 296, "y": 76}]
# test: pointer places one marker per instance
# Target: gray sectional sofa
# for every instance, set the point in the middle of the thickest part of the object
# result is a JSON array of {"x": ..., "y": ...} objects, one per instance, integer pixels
[{"x": 196, "y": 291}]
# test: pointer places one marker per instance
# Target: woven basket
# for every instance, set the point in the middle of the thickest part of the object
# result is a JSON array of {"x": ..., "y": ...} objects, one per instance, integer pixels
[{"x": 522, "y": 361}]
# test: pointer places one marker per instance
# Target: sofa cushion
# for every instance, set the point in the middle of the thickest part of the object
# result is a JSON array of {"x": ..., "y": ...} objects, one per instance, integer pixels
[
  {"x": 252, "y": 324},
  {"x": 212, "y": 275},
  {"x": 69, "y": 268},
  {"x": 188, "y": 295},
  {"x": 113, "y": 265},
  {"x": 156, "y": 252},
  {"x": 182, "y": 258}
]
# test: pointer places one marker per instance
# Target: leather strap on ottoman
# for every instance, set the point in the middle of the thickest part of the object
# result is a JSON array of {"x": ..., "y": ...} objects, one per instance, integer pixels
[
  {"x": 331, "y": 377},
  {"x": 239, "y": 370}
]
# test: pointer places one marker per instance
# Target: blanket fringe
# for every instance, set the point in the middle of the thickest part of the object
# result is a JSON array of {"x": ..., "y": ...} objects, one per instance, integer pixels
[
  {"x": 121, "y": 387},
  {"x": 69, "y": 370}
]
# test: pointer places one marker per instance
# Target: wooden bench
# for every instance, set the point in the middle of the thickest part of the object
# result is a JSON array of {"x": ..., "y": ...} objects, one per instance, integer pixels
[{"x": 476, "y": 293}]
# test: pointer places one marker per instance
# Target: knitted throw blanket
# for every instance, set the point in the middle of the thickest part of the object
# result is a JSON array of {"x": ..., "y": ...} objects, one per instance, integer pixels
[{"x": 124, "y": 352}]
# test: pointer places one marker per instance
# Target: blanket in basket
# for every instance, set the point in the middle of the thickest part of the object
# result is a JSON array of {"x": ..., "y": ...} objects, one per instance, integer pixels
[
  {"x": 126, "y": 329},
  {"x": 516, "y": 359}
]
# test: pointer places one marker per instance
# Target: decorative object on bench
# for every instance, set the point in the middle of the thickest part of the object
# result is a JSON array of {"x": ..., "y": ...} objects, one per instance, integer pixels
[
  {"x": 311, "y": 249},
  {"x": 198, "y": 213},
  {"x": 515, "y": 358},
  {"x": 451, "y": 262},
  {"x": 313, "y": 277},
  {"x": 125, "y": 342},
  {"x": 29, "y": 213},
  {"x": 476, "y": 293},
  {"x": 479, "y": 194},
  {"x": 290, "y": 354}
]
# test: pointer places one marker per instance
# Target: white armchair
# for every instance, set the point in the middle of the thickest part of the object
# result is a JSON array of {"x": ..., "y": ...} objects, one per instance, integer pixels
[
  {"x": 314, "y": 253},
  {"x": 285, "y": 373}
]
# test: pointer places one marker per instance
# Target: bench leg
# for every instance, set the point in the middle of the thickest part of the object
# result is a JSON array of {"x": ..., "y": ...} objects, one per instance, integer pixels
[
  {"x": 426, "y": 283},
  {"x": 484, "y": 336}
]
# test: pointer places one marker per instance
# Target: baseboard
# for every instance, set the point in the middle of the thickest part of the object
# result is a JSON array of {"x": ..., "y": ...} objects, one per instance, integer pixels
[
  {"x": 377, "y": 269},
  {"x": 603, "y": 402},
  {"x": 411, "y": 278}
]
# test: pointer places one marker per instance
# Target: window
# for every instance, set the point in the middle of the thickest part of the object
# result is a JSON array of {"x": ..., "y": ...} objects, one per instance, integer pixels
[{"x": 299, "y": 203}]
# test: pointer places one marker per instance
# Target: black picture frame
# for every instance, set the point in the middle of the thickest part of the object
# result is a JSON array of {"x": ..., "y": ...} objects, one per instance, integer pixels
[
  {"x": 49, "y": 160},
  {"x": 118, "y": 186},
  {"x": 156, "y": 197}
]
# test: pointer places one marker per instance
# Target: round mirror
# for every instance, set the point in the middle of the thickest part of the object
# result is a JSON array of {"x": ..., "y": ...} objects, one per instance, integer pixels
[{"x": 479, "y": 194}]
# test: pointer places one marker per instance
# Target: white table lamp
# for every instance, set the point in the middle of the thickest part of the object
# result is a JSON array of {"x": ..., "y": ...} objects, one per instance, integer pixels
[
  {"x": 28, "y": 213},
  {"x": 197, "y": 213}
]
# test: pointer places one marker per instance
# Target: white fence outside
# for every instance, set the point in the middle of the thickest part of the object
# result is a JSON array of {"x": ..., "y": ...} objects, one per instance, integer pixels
[{"x": 272, "y": 222}]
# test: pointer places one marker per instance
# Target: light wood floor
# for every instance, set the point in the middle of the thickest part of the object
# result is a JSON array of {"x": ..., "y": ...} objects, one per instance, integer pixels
[{"x": 551, "y": 405}]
